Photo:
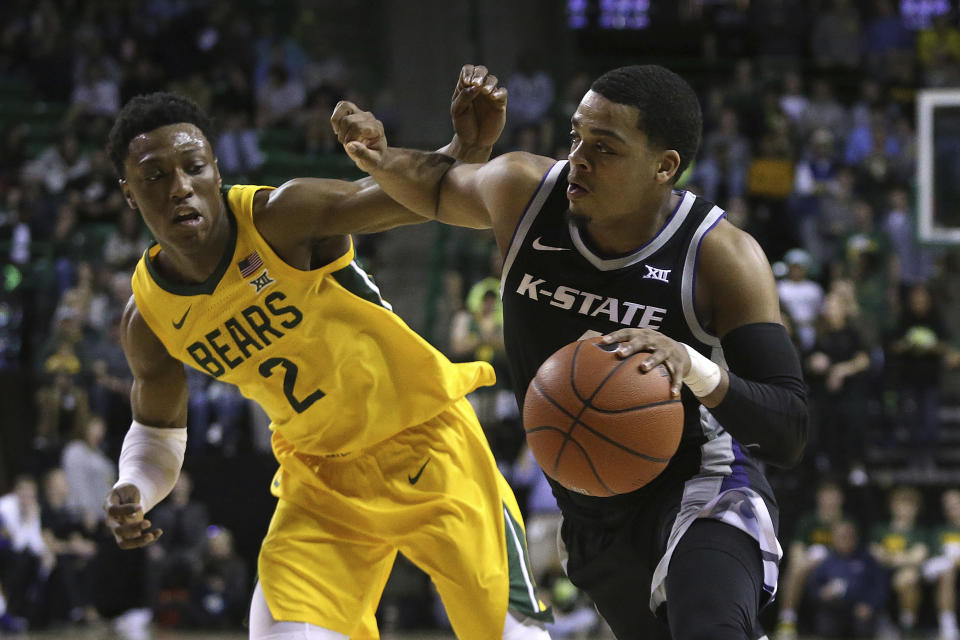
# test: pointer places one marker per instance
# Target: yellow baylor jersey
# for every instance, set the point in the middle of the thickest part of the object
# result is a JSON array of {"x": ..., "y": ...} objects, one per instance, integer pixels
[{"x": 334, "y": 368}]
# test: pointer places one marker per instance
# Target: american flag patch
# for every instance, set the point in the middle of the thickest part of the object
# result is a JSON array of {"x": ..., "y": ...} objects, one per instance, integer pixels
[{"x": 249, "y": 265}]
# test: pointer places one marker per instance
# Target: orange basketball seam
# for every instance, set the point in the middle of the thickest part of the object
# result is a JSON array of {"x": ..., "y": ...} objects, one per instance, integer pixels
[
  {"x": 577, "y": 420},
  {"x": 637, "y": 407},
  {"x": 596, "y": 474},
  {"x": 588, "y": 402}
]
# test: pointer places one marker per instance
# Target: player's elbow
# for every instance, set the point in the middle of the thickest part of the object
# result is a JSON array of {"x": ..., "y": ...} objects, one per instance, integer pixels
[{"x": 793, "y": 438}]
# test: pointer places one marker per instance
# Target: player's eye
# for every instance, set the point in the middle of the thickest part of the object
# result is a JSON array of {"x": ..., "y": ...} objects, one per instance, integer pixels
[
  {"x": 574, "y": 138},
  {"x": 197, "y": 168}
]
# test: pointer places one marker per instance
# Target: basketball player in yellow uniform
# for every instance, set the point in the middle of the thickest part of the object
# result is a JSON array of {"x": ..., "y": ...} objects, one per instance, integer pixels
[{"x": 379, "y": 451}]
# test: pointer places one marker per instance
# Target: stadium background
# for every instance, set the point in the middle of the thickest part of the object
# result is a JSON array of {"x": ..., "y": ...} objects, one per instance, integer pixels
[{"x": 809, "y": 143}]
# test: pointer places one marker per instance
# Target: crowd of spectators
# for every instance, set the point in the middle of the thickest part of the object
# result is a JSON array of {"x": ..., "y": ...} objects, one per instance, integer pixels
[{"x": 809, "y": 144}]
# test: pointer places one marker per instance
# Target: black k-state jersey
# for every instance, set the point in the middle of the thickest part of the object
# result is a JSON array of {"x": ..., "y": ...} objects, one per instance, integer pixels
[{"x": 557, "y": 289}]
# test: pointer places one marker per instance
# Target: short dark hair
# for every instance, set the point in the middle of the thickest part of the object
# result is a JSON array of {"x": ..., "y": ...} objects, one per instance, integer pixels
[
  {"x": 148, "y": 112},
  {"x": 669, "y": 109}
]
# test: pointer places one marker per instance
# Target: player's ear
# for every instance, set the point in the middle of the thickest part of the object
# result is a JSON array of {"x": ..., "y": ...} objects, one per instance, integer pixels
[
  {"x": 667, "y": 166},
  {"x": 128, "y": 194}
]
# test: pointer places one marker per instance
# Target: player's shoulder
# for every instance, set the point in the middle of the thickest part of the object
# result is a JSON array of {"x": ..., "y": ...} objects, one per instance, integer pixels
[
  {"x": 731, "y": 253},
  {"x": 519, "y": 168},
  {"x": 143, "y": 348}
]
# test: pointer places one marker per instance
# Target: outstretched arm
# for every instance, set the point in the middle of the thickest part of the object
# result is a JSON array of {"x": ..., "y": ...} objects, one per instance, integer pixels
[
  {"x": 153, "y": 448},
  {"x": 313, "y": 208}
]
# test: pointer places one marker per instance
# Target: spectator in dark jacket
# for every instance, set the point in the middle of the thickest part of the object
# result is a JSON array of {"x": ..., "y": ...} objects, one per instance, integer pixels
[{"x": 848, "y": 588}]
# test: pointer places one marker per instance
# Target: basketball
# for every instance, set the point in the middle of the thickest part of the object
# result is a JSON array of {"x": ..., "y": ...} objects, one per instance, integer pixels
[{"x": 597, "y": 424}]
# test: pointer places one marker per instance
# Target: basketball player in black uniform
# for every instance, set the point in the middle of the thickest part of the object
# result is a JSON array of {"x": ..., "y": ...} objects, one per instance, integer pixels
[{"x": 603, "y": 244}]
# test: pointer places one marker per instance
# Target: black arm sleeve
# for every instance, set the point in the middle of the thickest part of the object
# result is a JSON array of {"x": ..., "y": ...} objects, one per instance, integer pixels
[{"x": 765, "y": 408}]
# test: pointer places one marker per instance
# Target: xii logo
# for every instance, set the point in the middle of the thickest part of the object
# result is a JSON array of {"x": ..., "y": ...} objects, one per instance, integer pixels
[
  {"x": 663, "y": 275},
  {"x": 262, "y": 281}
]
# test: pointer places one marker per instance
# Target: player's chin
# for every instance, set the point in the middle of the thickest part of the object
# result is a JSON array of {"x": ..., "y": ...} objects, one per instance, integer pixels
[{"x": 577, "y": 215}]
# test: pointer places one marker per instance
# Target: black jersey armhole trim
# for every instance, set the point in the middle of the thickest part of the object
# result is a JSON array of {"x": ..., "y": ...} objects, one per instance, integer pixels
[
  {"x": 210, "y": 284},
  {"x": 350, "y": 279},
  {"x": 526, "y": 207}
]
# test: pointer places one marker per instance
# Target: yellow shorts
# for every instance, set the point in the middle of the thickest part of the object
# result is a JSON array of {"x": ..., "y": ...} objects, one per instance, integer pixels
[{"x": 432, "y": 492}]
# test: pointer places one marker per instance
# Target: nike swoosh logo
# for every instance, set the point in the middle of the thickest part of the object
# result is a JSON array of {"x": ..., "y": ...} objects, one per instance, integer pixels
[
  {"x": 177, "y": 325},
  {"x": 539, "y": 246},
  {"x": 416, "y": 478}
]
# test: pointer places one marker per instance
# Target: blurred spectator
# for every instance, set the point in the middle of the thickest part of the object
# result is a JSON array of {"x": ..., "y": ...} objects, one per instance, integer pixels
[
  {"x": 868, "y": 262},
  {"x": 914, "y": 263},
  {"x": 238, "y": 149},
  {"x": 477, "y": 334},
  {"x": 941, "y": 568},
  {"x": 919, "y": 343},
  {"x": 13, "y": 152},
  {"x": 771, "y": 171},
  {"x": 834, "y": 219},
  {"x": 95, "y": 95},
  {"x": 811, "y": 542},
  {"x": 176, "y": 559},
  {"x": 745, "y": 98},
  {"x": 793, "y": 99},
  {"x": 279, "y": 100},
  {"x": 815, "y": 179},
  {"x": 825, "y": 111},
  {"x": 900, "y": 546},
  {"x": 142, "y": 77},
  {"x": 938, "y": 49},
  {"x": 70, "y": 588},
  {"x": 531, "y": 93},
  {"x": 58, "y": 165},
  {"x": 126, "y": 242},
  {"x": 99, "y": 199},
  {"x": 886, "y": 39},
  {"x": 215, "y": 416},
  {"x": 89, "y": 471},
  {"x": 26, "y": 562},
  {"x": 837, "y": 389},
  {"x": 319, "y": 135},
  {"x": 722, "y": 168},
  {"x": 835, "y": 40},
  {"x": 220, "y": 593},
  {"x": 801, "y": 296},
  {"x": 873, "y": 151},
  {"x": 325, "y": 67},
  {"x": 111, "y": 384},
  {"x": 848, "y": 588},
  {"x": 275, "y": 50},
  {"x": 8, "y": 622},
  {"x": 62, "y": 403}
]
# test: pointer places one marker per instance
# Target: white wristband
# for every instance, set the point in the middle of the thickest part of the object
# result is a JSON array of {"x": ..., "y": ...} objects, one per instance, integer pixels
[
  {"x": 150, "y": 459},
  {"x": 704, "y": 375}
]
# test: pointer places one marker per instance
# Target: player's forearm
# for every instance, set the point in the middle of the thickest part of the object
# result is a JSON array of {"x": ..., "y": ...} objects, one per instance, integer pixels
[
  {"x": 413, "y": 178},
  {"x": 761, "y": 401}
]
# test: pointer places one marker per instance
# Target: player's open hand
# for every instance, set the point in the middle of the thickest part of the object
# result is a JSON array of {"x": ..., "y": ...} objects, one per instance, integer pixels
[
  {"x": 478, "y": 107},
  {"x": 360, "y": 133},
  {"x": 125, "y": 518},
  {"x": 663, "y": 350}
]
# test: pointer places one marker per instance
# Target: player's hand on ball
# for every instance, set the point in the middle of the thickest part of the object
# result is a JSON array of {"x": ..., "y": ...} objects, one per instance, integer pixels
[
  {"x": 360, "y": 133},
  {"x": 663, "y": 350},
  {"x": 125, "y": 518},
  {"x": 478, "y": 107}
]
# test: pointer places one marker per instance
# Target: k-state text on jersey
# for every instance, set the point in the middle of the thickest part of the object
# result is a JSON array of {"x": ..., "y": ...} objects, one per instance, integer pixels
[{"x": 627, "y": 313}]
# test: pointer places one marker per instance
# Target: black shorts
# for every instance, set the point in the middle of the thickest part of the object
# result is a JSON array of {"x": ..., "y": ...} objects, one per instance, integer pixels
[{"x": 714, "y": 584}]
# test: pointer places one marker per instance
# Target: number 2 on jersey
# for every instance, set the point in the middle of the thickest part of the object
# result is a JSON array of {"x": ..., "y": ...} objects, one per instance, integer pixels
[{"x": 289, "y": 380}]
